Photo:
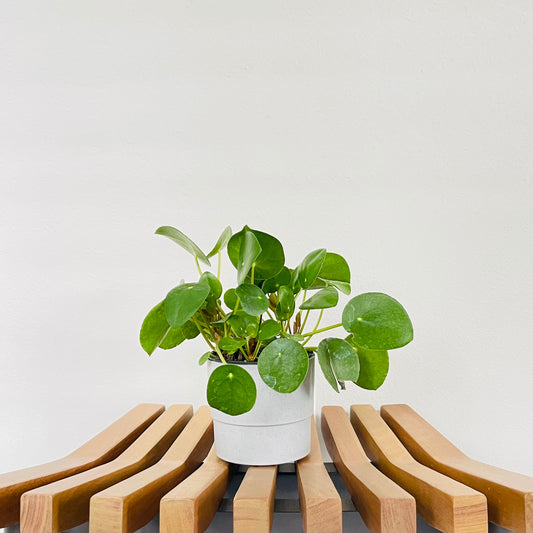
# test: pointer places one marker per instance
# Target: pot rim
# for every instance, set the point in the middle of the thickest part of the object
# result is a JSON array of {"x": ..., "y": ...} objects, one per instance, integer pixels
[{"x": 214, "y": 358}]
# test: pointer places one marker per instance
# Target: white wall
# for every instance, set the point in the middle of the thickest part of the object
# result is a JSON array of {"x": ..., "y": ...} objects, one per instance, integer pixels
[{"x": 397, "y": 134}]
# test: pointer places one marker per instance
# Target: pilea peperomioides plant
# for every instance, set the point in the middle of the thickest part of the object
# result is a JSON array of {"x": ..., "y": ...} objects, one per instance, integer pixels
[{"x": 265, "y": 319}]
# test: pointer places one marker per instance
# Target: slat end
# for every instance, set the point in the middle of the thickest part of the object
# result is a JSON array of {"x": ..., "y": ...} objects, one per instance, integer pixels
[
  {"x": 106, "y": 514},
  {"x": 398, "y": 514},
  {"x": 470, "y": 514},
  {"x": 36, "y": 513}
]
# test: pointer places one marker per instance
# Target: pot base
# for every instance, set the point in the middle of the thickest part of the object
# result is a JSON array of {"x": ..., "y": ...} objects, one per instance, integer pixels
[{"x": 262, "y": 445}]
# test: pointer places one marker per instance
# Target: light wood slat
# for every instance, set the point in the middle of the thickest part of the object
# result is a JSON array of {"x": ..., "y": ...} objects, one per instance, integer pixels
[
  {"x": 320, "y": 502},
  {"x": 191, "y": 506},
  {"x": 383, "y": 505},
  {"x": 102, "y": 448},
  {"x": 65, "y": 504},
  {"x": 509, "y": 495},
  {"x": 443, "y": 502},
  {"x": 253, "y": 505},
  {"x": 132, "y": 503}
]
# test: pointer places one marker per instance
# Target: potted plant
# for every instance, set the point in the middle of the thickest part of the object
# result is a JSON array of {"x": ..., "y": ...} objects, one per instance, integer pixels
[{"x": 260, "y": 361}]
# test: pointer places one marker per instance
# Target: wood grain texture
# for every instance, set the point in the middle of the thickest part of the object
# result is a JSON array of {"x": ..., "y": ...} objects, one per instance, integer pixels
[
  {"x": 320, "y": 502},
  {"x": 383, "y": 505},
  {"x": 443, "y": 502},
  {"x": 132, "y": 503},
  {"x": 509, "y": 495},
  {"x": 102, "y": 448},
  {"x": 253, "y": 505},
  {"x": 65, "y": 503},
  {"x": 191, "y": 506}
]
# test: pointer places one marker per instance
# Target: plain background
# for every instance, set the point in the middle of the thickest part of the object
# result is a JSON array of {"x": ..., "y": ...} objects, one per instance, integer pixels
[{"x": 399, "y": 134}]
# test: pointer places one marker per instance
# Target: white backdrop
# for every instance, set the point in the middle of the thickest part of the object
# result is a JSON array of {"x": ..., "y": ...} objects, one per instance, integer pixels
[{"x": 398, "y": 134}]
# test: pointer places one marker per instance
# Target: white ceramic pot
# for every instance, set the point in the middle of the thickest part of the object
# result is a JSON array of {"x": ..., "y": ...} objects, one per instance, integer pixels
[{"x": 276, "y": 430}]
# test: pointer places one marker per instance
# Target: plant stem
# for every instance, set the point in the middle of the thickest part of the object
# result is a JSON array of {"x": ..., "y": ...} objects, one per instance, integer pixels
[
  {"x": 219, "y": 262},
  {"x": 252, "y": 274},
  {"x": 305, "y": 320},
  {"x": 198, "y": 265},
  {"x": 311, "y": 333},
  {"x": 256, "y": 351},
  {"x": 220, "y": 310},
  {"x": 220, "y": 356},
  {"x": 268, "y": 313},
  {"x": 213, "y": 347},
  {"x": 319, "y": 319},
  {"x": 316, "y": 326}
]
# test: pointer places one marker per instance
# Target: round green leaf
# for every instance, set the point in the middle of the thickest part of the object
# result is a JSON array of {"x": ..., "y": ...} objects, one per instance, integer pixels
[
  {"x": 309, "y": 268},
  {"x": 230, "y": 298},
  {"x": 374, "y": 368},
  {"x": 180, "y": 238},
  {"x": 190, "y": 330},
  {"x": 204, "y": 358},
  {"x": 268, "y": 330},
  {"x": 231, "y": 389},
  {"x": 154, "y": 328},
  {"x": 344, "y": 358},
  {"x": 215, "y": 287},
  {"x": 271, "y": 259},
  {"x": 341, "y": 285},
  {"x": 324, "y": 360},
  {"x": 248, "y": 253},
  {"x": 243, "y": 324},
  {"x": 285, "y": 306},
  {"x": 253, "y": 299},
  {"x": 335, "y": 268},
  {"x": 273, "y": 284},
  {"x": 294, "y": 280},
  {"x": 283, "y": 365},
  {"x": 173, "y": 338},
  {"x": 183, "y": 301},
  {"x": 377, "y": 321},
  {"x": 323, "y": 299},
  {"x": 230, "y": 344},
  {"x": 335, "y": 272},
  {"x": 221, "y": 243}
]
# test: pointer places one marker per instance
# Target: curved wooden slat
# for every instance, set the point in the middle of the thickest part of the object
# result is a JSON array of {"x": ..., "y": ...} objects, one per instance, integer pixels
[
  {"x": 320, "y": 502},
  {"x": 509, "y": 495},
  {"x": 443, "y": 502},
  {"x": 253, "y": 505},
  {"x": 132, "y": 503},
  {"x": 102, "y": 448},
  {"x": 191, "y": 506},
  {"x": 383, "y": 505},
  {"x": 65, "y": 503}
]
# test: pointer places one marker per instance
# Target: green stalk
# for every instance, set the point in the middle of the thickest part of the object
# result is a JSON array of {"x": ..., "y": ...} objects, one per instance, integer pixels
[
  {"x": 305, "y": 320},
  {"x": 314, "y": 332},
  {"x": 220, "y": 310},
  {"x": 215, "y": 347},
  {"x": 316, "y": 326},
  {"x": 198, "y": 265},
  {"x": 220, "y": 356},
  {"x": 319, "y": 319},
  {"x": 256, "y": 351}
]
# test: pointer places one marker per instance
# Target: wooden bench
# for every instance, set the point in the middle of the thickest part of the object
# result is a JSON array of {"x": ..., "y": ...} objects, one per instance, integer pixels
[{"x": 388, "y": 467}]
